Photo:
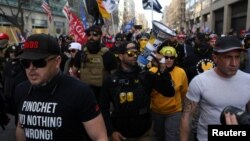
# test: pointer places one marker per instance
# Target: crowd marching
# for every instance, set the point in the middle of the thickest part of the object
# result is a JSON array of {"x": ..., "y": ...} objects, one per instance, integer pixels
[{"x": 107, "y": 89}]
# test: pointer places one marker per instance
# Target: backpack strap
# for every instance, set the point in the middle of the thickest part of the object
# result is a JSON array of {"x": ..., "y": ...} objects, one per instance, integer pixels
[
  {"x": 86, "y": 52},
  {"x": 103, "y": 50}
]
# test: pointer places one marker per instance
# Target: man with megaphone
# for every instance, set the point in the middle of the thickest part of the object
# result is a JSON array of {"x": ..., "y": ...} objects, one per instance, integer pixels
[
  {"x": 128, "y": 89},
  {"x": 160, "y": 32}
]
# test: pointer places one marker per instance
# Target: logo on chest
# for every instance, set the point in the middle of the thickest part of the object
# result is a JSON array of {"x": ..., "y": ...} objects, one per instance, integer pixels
[{"x": 39, "y": 119}]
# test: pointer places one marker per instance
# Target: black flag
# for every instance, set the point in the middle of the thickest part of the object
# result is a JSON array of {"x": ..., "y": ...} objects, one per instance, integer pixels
[
  {"x": 147, "y": 4},
  {"x": 93, "y": 10}
]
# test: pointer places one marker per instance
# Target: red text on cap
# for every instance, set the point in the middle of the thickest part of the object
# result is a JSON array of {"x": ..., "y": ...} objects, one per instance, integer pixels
[{"x": 31, "y": 44}]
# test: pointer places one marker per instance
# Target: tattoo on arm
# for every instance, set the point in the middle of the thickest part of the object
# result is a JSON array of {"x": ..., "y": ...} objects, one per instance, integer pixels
[{"x": 189, "y": 106}]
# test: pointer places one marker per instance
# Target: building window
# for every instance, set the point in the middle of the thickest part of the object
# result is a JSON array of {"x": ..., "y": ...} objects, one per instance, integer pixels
[{"x": 39, "y": 23}]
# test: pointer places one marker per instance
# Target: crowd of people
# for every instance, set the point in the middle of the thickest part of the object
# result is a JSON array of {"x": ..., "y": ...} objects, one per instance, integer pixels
[{"x": 59, "y": 89}]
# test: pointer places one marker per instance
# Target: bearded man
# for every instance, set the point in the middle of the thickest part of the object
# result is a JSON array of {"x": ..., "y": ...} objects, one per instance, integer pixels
[{"x": 98, "y": 61}]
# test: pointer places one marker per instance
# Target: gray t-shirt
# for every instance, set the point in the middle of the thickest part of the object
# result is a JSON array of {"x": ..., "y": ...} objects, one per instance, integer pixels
[{"x": 214, "y": 93}]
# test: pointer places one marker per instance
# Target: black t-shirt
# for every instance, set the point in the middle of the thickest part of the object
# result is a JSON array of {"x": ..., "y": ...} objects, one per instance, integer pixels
[
  {"x": 56, "y": 111},
  {"x": 109, "y": 61},
  {"x": 64, "y": 60},
  {"x": 129, "y": 93},
  {"x": 197, "y": 63},
  {"x": 77, "y": 60},
  {"x": 131, "y": 119}
]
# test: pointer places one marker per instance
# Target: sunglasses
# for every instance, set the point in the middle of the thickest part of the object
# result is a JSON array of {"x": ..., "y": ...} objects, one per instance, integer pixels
[
  {"x": 170, "y": 57},
  {"x": 11, "y": 51},
  {"x": 40, "y": 63},
  {"x": 132, "y": 53},
  {"x": 93, "y": 34},
  {"x": 72, "y": 50},
  {"x": 119, "y": 39},
  {"x": 145, "y": 40}
]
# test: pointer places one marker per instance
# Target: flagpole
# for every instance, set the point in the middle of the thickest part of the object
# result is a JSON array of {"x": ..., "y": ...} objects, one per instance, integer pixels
[
  {"x": 152, "y": 9},
  {"x": 112, "y": 18},
  {"x": 53, "y": 28},
  {"x": 13, "y": 34}
]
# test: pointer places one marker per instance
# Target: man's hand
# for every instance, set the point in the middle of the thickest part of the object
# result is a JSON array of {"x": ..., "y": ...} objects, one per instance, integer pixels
[
  {"x": 116, "y": 136},
  {"x": 231, "y": 119},
  {"x": 158, "y": 56}
]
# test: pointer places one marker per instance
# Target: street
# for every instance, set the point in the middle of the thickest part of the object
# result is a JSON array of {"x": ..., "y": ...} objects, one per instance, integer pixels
[{"x": 9, "y": 133}]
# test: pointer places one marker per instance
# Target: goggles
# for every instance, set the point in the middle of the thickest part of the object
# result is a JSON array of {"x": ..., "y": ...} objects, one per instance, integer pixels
[
  {"x": 95, "y": 34},
  {"x": 132, "y": 53}
]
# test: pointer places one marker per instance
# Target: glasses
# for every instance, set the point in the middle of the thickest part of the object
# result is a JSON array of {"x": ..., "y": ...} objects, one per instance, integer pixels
[
  {"x": 93, "y": 34},
  {"x": 72, "y": 50},
  {"x": 132, "y": 53},
  {"x": 170, "y": 57},
  {"x": 145, "y": 40},
  {"x": 12, "y": 51},
  {"x": 119, "y": 39},
  {"x": 40, "y": 63}
]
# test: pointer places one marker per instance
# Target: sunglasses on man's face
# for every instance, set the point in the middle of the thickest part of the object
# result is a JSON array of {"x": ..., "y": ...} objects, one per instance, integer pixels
[
  {"x": 145, "y": 40},
  {"x": 170, "y": 57},
  {"x": 12, "y": 51},
  {"x": 40, "y": 63},
  {"x": 72, "y": 50},
  {"x": 132, "y": 53},
  {"x": 118, "y": 39},
  {"x": 92, "y": 34}
]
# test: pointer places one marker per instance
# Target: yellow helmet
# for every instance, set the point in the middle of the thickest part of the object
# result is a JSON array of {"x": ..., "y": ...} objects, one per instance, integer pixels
[{"x": 168, "y": 50}]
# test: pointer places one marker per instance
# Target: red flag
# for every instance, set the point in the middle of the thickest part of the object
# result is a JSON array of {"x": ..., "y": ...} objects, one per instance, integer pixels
[
  {"x": 46, "y": 9},
  {"x": 76, "y": 29}
]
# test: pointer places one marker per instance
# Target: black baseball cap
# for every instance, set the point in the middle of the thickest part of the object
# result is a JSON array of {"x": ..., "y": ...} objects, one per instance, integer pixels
[
  {"x": 39, "y": 46},
  {"x": 94, "y": 28},
  {"x": 144, "y": 35},
  {"x": 120, "y": 37},
  {"x": 228, "y": 43},
  {"x": 123, "y": 47}
]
